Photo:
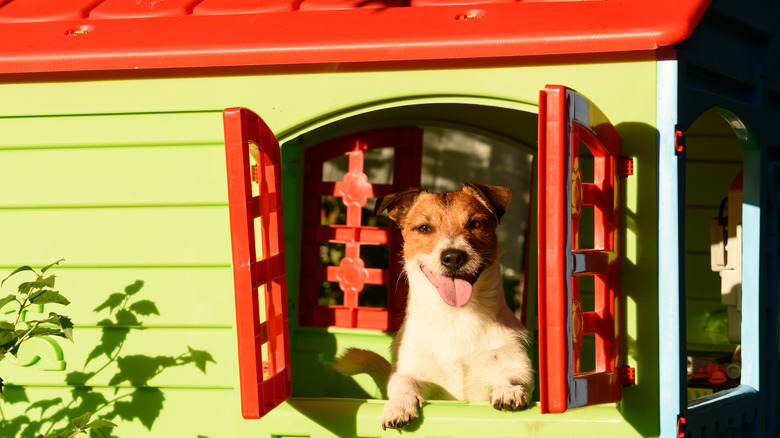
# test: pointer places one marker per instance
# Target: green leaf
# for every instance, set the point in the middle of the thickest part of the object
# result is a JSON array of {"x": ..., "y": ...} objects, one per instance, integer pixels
[
  {"x": 99, "y": 423},
  {"x": 8, "y": 338},
  {"x": 7, "y": 300},
  {"x": 63, "y": 322},
  {"x": 41, "y": 283},
  {"x": 7, "y": 326},
  {"x": 133, "y": 289},
  {"x": 45, "y": 331},
  {"x": 82, "y": 421},
  {"x": 68, "y": 333},
  {"x": 54, "y": 318},
  {"x": 16, "y": 271},
  {"x": 24, "y": 288},
  {"x": 144, "y": 308},
  {"x": 48, "y": 297},
  {"x": 114, "y": 300},
  {"x": 46, "y": 268}
]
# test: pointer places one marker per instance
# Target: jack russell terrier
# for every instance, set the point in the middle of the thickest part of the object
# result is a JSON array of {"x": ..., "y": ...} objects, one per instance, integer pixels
[{"x": 459, "y": 339}]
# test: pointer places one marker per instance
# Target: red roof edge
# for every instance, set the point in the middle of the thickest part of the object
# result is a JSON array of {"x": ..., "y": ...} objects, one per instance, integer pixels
[{"x": 356, "y": 35}]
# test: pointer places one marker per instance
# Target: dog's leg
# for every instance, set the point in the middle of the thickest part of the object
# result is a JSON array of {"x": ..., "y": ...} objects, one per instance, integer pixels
[
  {"x": 404, "y": 399},
  {"x": 515, "y": 381},
  {"x": 503, "y": 376}
]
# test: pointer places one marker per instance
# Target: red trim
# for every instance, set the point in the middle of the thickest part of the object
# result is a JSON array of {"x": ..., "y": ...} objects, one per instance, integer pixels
[
  {"x": 567, "y": 120},
  {"x": 261, "y": 323},
  {"x": 45, "y": 40}
]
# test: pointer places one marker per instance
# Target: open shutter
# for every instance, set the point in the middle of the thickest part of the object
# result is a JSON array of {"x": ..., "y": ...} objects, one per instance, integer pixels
[
  {"x": 258, "y": 261},
  {"x": 568, "y": 120}
]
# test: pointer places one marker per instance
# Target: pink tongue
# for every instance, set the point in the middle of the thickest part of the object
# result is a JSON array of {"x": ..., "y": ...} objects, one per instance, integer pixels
[{"x": 455, "y": 291}]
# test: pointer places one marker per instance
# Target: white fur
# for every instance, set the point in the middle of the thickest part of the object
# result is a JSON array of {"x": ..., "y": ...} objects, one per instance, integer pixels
[
  {"x": 473, "y": 352},
  {"x": 468, "y": 350}
]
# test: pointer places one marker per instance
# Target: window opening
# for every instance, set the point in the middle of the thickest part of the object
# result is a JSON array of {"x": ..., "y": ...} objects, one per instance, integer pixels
[
  {"x": 452, "y": 156},
  {"x": 713, "y": 256},
  {"x": 446, "y": 158}
]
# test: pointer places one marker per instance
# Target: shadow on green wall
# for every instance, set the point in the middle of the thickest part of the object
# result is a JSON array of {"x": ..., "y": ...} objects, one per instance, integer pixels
[{"x": 132, "y": 399}]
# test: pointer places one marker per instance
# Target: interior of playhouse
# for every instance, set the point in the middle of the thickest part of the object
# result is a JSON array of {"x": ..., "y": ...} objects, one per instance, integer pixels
[
  {"x": 330, "y": 311},
  {"x": 713, "y": 255}
]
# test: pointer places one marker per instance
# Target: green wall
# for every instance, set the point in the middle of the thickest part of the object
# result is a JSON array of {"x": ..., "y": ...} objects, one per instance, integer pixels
[{"x": 124, "y": 178}]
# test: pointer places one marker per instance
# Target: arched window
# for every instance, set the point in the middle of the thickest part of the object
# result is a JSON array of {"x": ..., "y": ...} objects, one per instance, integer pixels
[{"x": 728, "y": 325}]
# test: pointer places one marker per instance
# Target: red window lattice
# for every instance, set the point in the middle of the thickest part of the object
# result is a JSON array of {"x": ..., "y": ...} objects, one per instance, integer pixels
[
  {"x": 567, "y": 120},
  {"x": 354, "y": 190}
]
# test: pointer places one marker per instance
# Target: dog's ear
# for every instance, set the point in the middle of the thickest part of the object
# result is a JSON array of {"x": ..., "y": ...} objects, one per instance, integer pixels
[
  {"x": 495, "y": 198},
  {"x": 398, "y": 203}
]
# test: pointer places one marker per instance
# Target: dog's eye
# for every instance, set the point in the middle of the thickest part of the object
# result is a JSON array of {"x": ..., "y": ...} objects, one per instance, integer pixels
[
  {"x": 475, "y": 224},
  {"x": 424, "y": 229}
]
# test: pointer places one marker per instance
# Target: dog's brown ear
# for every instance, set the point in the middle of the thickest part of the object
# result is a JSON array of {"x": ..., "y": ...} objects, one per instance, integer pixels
[
  {"x": 398, "y": 203},
  {"x": 495, "y": 198}
]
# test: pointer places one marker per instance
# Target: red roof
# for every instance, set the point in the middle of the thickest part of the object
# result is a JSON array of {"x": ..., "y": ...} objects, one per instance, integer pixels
[{"x": 84, "y": 35}]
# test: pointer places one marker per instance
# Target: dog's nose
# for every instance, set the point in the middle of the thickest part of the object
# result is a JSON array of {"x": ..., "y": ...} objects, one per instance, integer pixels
[{"x": 453, "y": 259}]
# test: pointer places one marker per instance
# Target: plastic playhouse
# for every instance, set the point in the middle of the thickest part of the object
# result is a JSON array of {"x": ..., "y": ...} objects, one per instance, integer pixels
[{"x": 228, "y": 152}]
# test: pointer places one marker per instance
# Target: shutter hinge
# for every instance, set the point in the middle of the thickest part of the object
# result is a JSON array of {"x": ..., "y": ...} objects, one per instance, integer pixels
[
  {"x": 681, "y": 427},
  {"x": 625, "y": 166},
  {"x": 679, "y": 140},
  {"x": 627, "y": 375}
]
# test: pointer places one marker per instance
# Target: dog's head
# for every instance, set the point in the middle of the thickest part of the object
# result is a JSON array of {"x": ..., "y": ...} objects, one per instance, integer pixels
[{"x": 450, "y": 236}]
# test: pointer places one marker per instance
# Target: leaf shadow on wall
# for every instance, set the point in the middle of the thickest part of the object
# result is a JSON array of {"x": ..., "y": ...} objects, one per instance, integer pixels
[{"x": 128, "y": 395}]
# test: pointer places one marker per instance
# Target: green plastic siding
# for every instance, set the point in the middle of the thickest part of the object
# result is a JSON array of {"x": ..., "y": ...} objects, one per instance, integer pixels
[
  {"x": 125, "y": 180},
  {"x": 126, "y": 200},
  {"x": 357, "y": 418}
]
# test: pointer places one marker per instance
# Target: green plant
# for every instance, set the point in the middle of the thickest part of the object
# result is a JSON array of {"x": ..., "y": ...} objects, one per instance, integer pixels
[
  {"x": 39, "y": 292},
  {"x": 112, "y": 385},
  {"x": 81, "y": 424},
  {"x": 31, "y": 293}
]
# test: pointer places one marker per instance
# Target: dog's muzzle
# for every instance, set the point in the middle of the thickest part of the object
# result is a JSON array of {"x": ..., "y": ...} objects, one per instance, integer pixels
[{"x": 455, "y": 288}]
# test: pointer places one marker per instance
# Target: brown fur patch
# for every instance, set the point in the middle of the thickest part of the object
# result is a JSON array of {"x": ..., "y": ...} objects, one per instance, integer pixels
[{"x": 434, "y": 217}]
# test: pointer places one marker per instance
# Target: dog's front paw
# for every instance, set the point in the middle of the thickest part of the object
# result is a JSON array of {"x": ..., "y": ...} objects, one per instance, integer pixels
[
  {"x": 509, "y": 397},
  {"x": 398, "y": 414}
]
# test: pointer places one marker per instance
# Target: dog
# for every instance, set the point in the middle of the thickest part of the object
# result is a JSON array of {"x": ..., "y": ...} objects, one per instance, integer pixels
[{"x": 459, "y": 339}]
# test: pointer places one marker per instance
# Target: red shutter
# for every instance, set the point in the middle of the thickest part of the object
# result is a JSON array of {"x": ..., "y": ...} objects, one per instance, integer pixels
[
  {"x": 354, "y": 190},
  {"x": 260, "y": 284},
  {"x": 567, "y": 119}
]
